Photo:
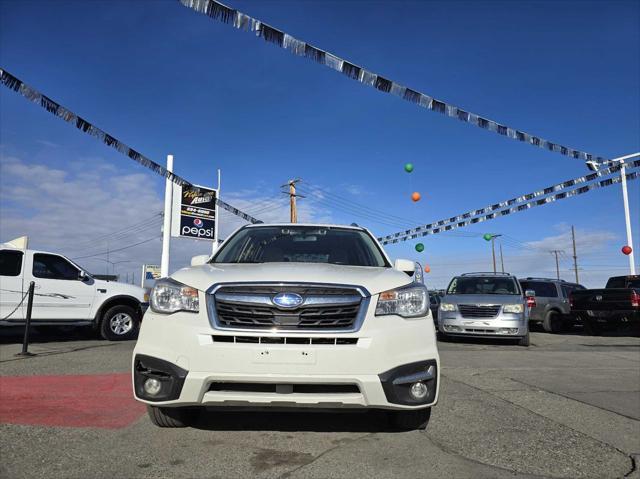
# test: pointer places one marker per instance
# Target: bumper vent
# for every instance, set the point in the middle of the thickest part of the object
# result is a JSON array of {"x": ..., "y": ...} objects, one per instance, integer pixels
[
  {"x": 283, "y": 340},
  {"x": 285, "y": 388}
]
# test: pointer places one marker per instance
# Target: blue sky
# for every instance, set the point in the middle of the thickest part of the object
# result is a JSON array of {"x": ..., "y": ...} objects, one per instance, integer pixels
[{"x": 167, "y": 80}]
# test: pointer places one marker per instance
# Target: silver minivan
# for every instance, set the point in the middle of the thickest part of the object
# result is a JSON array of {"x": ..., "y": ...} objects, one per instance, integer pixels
[{"x": 484, "y": 305}]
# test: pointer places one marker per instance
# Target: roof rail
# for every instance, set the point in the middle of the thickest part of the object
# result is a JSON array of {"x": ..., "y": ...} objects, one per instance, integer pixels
[
  {"x": 486, "y": 273},
  {"x": 543, "y": 279}
]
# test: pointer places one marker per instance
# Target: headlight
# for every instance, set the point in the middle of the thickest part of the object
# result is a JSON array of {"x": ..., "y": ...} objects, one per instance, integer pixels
[
  {"x": 169, "y": 296},
  {"x": 408, "y": 301},
  {"x": 448, "y": 307},
  {"x": 512, "y": 308}
]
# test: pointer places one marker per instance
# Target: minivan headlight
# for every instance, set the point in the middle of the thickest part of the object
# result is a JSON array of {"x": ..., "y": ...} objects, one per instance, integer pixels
[
  {"x": 169, "y": 296},
  {"x": 513, "y": 308},
  {"x": 448, "y": 307},
  {"x": 407, "y": 301}
]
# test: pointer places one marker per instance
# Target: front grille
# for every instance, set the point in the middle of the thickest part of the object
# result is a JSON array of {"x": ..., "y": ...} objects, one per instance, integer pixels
[
  {"x": 250, "y": 307},
  {"x": 479, "y": 311}
]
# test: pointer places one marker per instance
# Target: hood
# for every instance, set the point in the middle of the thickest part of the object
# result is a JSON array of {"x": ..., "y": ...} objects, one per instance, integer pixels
[
  {"x": 375, "y": 280},
  {"x": 116, "y": 289},
  {"x": 482, "y": 298}
]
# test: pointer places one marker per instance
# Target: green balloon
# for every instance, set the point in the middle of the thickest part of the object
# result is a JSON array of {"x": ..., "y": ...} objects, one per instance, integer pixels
[
  {"x": 419, "y": 247},
  {"x": 408, "y": 167},
  {"x": 487, "y": 236}
]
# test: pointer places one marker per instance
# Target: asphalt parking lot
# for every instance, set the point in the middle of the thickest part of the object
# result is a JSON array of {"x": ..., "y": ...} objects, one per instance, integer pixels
[{"x": 568, "y": 406}]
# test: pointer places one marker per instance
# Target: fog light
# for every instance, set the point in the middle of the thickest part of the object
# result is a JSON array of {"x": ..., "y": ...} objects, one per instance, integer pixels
[
  {"x": 152, "y": 386},
  {"x": 451, "y": 328},
  {"x": 419, "y": 390}
]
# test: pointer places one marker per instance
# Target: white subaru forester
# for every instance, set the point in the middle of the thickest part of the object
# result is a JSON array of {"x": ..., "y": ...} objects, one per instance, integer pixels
[{"x": 290, "y": 315}]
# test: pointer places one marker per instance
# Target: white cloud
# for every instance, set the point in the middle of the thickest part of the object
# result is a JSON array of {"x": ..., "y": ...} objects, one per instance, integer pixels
[
  {"x": 83, "y": 212},
  {"x": 586, "y": 241}
]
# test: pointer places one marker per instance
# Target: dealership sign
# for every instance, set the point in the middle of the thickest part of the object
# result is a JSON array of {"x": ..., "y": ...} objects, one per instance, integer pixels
[{"x": 194, "y": 212}]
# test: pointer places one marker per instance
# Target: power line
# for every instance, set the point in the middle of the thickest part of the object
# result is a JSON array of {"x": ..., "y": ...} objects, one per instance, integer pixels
[{"x": 116, "y": 250}]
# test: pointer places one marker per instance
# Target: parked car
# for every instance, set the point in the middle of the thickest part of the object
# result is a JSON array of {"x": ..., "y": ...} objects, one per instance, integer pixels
[
  {"x": 289, "y": 315},
  {"x": 484, "y": 305},
  {"x": 618, "y": 302},
  {"x": 434, "y": 304},
  {"x": 65, "y": 295},
  {"x": 550, "y": 306}
]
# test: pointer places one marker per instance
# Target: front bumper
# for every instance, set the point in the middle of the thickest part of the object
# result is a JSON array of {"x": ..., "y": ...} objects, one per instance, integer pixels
[
  {"x": 333, "y": 370},
  {"x": 504, "y": 325}
]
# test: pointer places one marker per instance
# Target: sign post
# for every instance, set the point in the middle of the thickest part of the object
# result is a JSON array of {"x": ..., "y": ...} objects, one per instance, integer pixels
[{"x": 166, "y": 228}]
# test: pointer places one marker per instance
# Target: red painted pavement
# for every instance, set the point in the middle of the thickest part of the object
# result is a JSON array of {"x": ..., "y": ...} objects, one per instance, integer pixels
[{"x": 101, "y": 400}]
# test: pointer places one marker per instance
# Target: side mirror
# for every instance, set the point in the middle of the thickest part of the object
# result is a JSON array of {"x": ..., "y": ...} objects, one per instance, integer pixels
[
  {"x": 405, "y": 265},
  {"x": 82, "y": 275},
  {"x": 200, "y": 260},
  {"x": 530, "y": 292}
]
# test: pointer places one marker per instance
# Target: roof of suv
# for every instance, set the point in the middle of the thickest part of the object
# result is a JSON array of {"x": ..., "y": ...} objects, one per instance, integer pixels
[
  {"x": 506, "y": 275},
  {"x": 313, "y": 225}
]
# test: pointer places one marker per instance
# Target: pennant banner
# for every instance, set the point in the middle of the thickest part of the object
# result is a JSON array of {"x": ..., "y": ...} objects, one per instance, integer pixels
[
  {"x": 222, "y": 13},
  {"x": 85, "y": 126},
  {"x": 513, "y": 201},
  {"x": 498, "y": 210}
]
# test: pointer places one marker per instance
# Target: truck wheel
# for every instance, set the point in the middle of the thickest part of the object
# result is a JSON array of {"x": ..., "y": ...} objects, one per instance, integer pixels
[
  {"x": 591, "y": 327},
  {"x": 524, "y": 341},
  {"x": 171, "y": 416},
  {"x": 552, "y": 322},
  {"x": 119, "y": 323},
  {"x": 409, "y": 420}
]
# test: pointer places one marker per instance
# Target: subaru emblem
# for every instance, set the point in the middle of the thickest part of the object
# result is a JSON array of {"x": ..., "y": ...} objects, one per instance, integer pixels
[{"x": 287, "y": 300}]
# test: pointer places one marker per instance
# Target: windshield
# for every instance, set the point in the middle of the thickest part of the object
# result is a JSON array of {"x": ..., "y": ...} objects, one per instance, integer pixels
[
  {"x": 483, "y": 285},
  {"x": 301, "y": 244}
]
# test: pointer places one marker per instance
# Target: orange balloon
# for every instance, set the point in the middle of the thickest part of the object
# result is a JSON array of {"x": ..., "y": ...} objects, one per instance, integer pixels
[
  {"x": 427, "y": 269},
  {"x": 415, "y": 196}
]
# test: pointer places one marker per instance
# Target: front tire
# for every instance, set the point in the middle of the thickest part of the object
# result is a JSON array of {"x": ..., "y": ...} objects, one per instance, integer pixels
[
  {"x": 409, "y": 420},
  {"x": 524, "y": 341},
  {"x": 120, "y": 323},
  {"x": 171, "y": 416}
]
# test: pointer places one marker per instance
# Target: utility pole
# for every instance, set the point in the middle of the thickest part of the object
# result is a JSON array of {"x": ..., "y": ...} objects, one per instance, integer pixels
[
  {"x": 493, "y": 252},
  {"x": 556, "y": 252},
  {"x": 293, "y": 208},
  {"x": 501, "y": 258},
  {"x": 575, "y": 255}
]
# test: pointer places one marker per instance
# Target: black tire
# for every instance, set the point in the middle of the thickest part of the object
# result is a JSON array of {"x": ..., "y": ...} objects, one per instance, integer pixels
[
  {"x": 524, "y": 341},
  {"x": 409, "y": 420},
  {"x": 592, "y": 327},
  {"x": 172, "y": 416},
  {"x": 553, "y": 322},
  {"x": 120, "y": 323}
]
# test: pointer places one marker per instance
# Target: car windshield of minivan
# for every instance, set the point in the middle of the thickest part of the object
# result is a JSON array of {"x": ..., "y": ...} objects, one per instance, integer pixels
[
  {"x": 483, "y": 285},
  {"x": 301, "y": 244}
]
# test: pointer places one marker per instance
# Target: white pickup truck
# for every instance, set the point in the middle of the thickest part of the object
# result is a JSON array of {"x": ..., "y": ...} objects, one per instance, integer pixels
[
  {"x": 289, "y": 315},
  {"x": 65, "y": 294}
]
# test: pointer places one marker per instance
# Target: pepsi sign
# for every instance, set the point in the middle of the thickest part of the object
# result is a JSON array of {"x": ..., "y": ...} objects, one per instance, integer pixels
[{"x": 194, "y": 212}]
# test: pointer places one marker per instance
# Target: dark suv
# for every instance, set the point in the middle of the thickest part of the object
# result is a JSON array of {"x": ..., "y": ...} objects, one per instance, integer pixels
[{"x": 550, "y": 307}]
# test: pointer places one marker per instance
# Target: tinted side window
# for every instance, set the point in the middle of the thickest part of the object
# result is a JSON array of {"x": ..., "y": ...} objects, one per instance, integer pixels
[
  {"x": 10, "y": 263},
  {"x": 542, "y": 289},
  {"x": 53, "y": 267},
  {"x": 567, "y": 290}
]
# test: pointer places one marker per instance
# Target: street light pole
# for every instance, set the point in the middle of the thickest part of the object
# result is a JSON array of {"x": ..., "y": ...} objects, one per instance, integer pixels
[
  {"x": 627, "y": 219},
  {"x": 625, "y": 198}
]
